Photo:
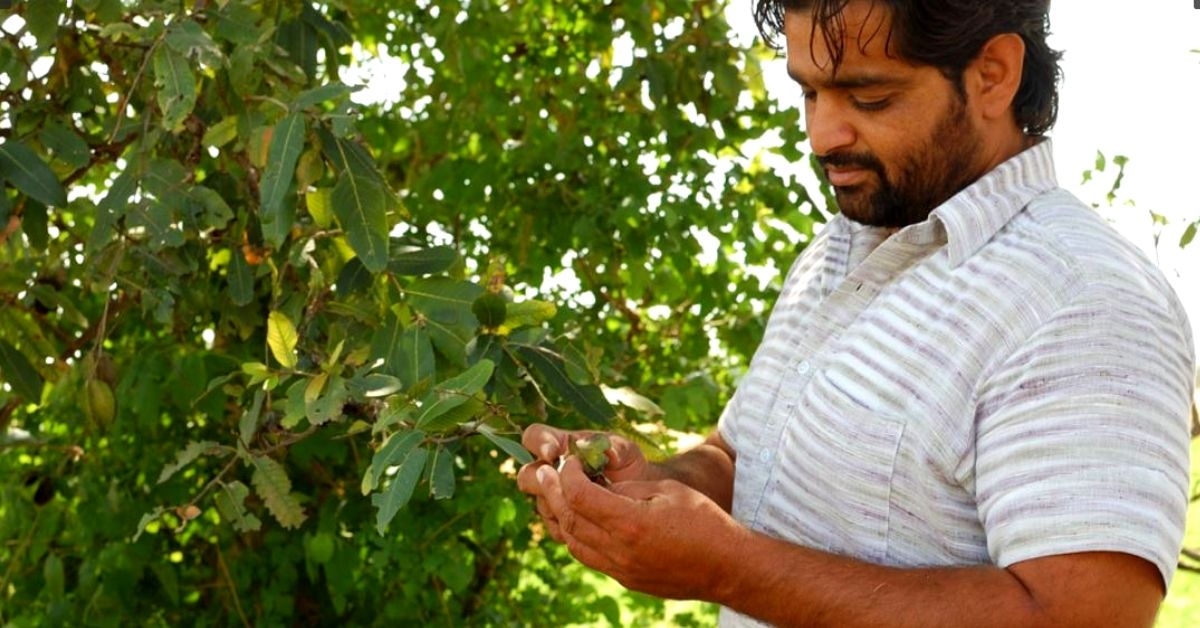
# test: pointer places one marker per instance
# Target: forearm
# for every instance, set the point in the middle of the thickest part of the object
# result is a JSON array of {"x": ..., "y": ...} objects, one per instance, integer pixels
[
  {"x": 789, "y": 585},
  {"x": 707, "y": 468}
]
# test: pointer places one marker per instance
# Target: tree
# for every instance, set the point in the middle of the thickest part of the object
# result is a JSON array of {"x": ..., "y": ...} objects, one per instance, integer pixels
[{"x": 264, "y": 347}]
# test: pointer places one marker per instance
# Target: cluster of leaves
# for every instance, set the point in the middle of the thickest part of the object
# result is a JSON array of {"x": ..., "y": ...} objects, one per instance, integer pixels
[{"x": 237, "y": 301}]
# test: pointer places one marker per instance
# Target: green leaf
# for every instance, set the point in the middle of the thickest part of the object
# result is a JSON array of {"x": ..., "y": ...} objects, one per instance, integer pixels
[
  {"x": 324, "y": 93},
  {"x": 146, "y": 520},
  {"x": 349, "y": 157},
  {"x": 42, "y": 17},
  {"x": 467, "y": 411},
  {"x": 414, "y": 361},
  {"x": 109, "y": 211},
  {"x": 353, "y": 277},
  {"x": 187, "y": 38},
  {"x": 441, "y": 473},
  {"x": 454, "y": 391},
  {"x": 329, "y": 406},
  {"x": 411, "y": 260},
  {"x": 528, "y": 313},
  {"x": 287, "y": 142},
  {"x": 510, "y": 447},
  {"x": 231, "y": 503},
  {"x": 176, "y": 87},
  {"x": 320, "y": 206},
  {"x": 66, "y": 145},
  {"x": 29, "y": 174},
  {"x": 16, "y": 369},
  {"x": 446, "y": 305},
  {"x": 397, "y": 448},
  {"x": 282, "y": 338},
  {"x": 240, "y": 277},
  {"x": 587, "y": 399},
  {"x": 221, "y": 133},
  {"x": 248, "y": 424},
  {"x": 629, "y": 398},
  {"x": 186, "y": 456},
  {"x": 299, "y": 39},
  {"x": 360, "y": 205},
  {"x": 397, "y": 494},
  {"x": 52, "y": 572},
  {"x": 35, "y": 224},
  {"x": 273, "y": 486},
  {"x": 1189, "y": 234},
  {"x": 295, "y": 407}
]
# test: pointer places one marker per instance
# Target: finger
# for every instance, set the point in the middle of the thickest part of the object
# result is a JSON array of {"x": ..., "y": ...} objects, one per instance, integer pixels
[
  {"x": 549, "y": 521},
  {"x": 590, "y": 556},
  {"x": 593, "y": 502},
  {"x": 570, "y": 523},
  {"x": 545, "y": 442},
  {"x": 527, "y": 481}
]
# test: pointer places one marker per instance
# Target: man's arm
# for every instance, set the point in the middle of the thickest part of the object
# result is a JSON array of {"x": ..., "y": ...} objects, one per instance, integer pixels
[
  {"x": 707, "y": 468},
  {"x": 666, "y": 539}
]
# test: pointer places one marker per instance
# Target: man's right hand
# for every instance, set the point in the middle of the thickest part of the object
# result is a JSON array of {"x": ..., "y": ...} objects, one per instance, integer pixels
[{"x": 625, "y": 462}]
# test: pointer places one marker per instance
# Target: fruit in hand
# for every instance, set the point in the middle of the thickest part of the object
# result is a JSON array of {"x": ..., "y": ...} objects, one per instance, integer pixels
[{"x": 590, "y": 451}]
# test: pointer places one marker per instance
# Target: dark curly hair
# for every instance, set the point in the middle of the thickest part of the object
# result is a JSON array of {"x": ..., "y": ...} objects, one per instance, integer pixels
[{"x": 947, "y": 34}]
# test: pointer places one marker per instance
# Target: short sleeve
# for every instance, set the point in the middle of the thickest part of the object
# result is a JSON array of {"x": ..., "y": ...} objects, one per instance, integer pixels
[{"x": 1082, "y": 433}]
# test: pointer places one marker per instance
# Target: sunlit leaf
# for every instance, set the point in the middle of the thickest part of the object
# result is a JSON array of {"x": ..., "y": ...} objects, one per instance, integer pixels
[
  {"x": 397, "y": 447},
  {"x": 509, "y": 446},
  {"x": 282, "y": 338}
]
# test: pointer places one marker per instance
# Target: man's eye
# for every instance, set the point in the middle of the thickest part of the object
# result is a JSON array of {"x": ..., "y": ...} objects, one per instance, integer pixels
[{"x": 871, "y": 105}]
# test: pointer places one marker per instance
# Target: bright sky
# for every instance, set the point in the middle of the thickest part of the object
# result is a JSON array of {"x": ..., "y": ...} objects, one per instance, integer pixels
[{"x": 1131, "y": 87}]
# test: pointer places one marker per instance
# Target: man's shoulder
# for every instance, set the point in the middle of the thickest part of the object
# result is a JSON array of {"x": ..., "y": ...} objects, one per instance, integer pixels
[{"x": 1101, "y": 262}]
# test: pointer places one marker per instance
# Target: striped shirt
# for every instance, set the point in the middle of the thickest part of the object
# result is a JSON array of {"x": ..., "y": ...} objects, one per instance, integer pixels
[{"x": 1006, "y": 380}]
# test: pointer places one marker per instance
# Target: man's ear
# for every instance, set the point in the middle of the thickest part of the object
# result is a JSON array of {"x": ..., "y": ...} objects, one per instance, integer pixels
[{"x": 994, "y": 76}]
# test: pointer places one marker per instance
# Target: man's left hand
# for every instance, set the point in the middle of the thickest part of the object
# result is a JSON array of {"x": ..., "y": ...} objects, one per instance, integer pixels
[{"x": 659, "y": 537}]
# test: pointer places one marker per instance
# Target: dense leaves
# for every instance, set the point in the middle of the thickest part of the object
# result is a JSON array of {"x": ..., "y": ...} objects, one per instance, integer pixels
[{"x": 268, "y": 337}]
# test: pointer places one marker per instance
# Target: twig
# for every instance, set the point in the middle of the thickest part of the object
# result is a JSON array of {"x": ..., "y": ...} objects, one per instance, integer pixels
[
  {"x": 237, "y": 603},
  {"x": 133, "y": 86}
]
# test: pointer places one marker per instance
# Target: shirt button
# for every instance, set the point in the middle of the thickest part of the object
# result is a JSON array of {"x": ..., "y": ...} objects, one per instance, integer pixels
[
  {"x": 764, "y": 455},
  {"x": 803, "y": 368}
]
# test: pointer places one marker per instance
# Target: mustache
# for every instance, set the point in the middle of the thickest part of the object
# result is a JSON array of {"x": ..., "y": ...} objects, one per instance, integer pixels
[{"x": 865, "y": 161}]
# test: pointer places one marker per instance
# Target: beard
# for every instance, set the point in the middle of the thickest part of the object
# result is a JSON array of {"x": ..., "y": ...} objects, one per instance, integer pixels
[{"x": 938, "y": 168}]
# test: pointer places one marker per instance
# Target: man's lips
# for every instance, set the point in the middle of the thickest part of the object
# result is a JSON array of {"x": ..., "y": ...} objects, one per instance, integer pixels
[{"x": 842, "y": 177}]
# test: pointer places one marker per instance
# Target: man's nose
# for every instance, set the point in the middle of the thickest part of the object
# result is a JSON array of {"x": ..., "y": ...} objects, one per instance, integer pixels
[{"x": 828, "y": 128}]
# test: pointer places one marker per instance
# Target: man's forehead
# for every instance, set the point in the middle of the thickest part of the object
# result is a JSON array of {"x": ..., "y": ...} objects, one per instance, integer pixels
[{"x": 857, "y": 41}]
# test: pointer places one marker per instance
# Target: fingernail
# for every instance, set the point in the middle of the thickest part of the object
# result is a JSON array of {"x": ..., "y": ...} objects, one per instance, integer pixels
[
  {"x": 542, "y": 474},
  {"x": 547, "y": 451}
]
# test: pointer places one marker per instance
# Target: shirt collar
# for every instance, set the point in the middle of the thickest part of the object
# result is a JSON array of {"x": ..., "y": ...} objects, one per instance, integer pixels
[
  {"x": 969, "y": 219},
  {"x": 977, "y": 213}
]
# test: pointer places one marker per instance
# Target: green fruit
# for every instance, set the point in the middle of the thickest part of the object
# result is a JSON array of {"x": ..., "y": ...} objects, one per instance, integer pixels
[
  {"x": 590, "y": 451},
  {"x": 99, "y": 404},
  {"x": 491, "y": 309}
]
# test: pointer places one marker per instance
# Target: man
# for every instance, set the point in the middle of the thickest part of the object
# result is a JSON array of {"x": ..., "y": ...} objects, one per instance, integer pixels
[{"x": 970, "y": 404}]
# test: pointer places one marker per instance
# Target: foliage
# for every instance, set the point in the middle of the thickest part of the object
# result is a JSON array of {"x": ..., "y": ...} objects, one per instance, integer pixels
[{"x": 265, "y": 343}]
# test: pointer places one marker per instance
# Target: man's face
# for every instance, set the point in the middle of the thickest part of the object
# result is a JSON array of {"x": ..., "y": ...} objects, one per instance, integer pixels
[{"x": 895, "y": 140}]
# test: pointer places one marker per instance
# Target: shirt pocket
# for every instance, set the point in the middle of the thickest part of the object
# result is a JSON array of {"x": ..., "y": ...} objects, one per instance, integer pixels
[{"x": 832, "y": 487}]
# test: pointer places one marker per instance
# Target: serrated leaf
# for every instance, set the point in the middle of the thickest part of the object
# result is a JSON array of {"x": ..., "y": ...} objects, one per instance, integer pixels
[
  {"x": 329, "y": 406},
  {"x": 240, "y": 277},
  {"x": 397, "y": 494},
  {"x": 510, "y": 447},
  {"x": 454, "y": 392},
  {"x": 395, "y": 449},
  {"x": 360, "y": 205},
  {"x": 412, "y": 260},
  {"x": 186, "y": 456},
  {"x": 287, "y": 142},
  {"x": 294, "y": 407},
  {"x": 29, "y": 174},
  {"x": 18, "y": 371},
  {"x": 441, "y": 474},
  {"x": 273, "y": 486},
  {"x": 231, "y": 503},
  {"x": 587, "y": 399},
  {"x": 176, "y": 86},
  {"x": 146, "y": 520},
  {"x": 282, "y": 338}
]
